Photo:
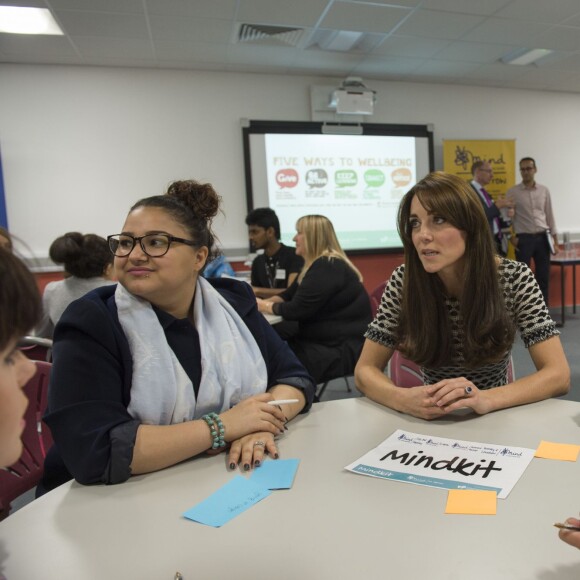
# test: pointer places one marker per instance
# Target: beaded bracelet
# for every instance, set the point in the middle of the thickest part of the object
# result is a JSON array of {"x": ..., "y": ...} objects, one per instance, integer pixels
[{"x": 216, "y": 429}]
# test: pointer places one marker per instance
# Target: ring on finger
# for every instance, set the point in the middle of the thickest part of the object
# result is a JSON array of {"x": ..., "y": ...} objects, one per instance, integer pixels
[
  {"x": 259, "y": 444},
  {"x": 468, "y": 390}
]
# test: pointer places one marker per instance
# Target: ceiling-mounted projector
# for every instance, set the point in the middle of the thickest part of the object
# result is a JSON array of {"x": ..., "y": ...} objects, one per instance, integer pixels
[{"x": 353, "y": 98}]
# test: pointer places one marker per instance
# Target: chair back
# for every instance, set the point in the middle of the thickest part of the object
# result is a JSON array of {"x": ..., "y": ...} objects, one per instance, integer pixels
[
  {"x": 36, "y": 348},
  {"x": 27, "y": 472},
  {"x": 375, "y": 297},
  {"x": 403, "y": 372}
]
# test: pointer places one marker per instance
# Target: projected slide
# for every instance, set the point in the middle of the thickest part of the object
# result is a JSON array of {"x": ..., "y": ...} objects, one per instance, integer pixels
[
  {"x": 355, "y": 179},
  {"x": 357, "y": 183}
]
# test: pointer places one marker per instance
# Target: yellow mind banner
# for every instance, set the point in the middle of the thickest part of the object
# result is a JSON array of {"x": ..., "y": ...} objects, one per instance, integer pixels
[{"x": 460, "y": 155}]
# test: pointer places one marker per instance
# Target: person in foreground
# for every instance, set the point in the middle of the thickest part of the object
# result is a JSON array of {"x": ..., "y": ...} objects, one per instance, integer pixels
[
  {"x": 19, "y": 312},
  {"x": 453, "y": 308},
  {"x": 571, "y": 537},
  {"x": 166, "y": 365},
  {"x": 328, "y": 300}
]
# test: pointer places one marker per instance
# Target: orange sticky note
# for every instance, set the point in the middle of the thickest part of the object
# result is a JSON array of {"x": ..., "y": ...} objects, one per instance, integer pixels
[
  {"x": 560, "y": 451},
  {"x": 471, "y": 501}
]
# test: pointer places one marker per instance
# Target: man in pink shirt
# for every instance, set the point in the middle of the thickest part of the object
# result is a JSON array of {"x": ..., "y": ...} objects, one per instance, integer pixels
[{"x": 534, "y": 223}]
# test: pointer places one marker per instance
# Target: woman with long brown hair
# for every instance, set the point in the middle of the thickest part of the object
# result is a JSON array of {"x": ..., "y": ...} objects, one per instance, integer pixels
[{"x": 454, "y": 308}]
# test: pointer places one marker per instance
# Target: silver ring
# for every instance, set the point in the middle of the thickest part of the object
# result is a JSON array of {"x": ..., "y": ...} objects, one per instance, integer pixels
[
  {"x": 468, "y": 390},
  {"x": 259, "y": 443}
]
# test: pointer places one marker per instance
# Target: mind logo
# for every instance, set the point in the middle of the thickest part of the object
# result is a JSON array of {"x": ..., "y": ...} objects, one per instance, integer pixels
[
  {"x": 287, "y": 178},
  {"x": 401, "y": 177},
  {"x": 316, "y": 178}
]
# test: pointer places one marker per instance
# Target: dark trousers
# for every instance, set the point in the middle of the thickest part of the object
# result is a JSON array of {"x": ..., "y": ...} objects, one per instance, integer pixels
[{"x": 536, "y": 246}]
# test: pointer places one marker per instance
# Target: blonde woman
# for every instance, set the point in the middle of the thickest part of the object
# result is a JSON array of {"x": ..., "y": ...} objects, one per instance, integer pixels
[{"x": 328, "y": 301}]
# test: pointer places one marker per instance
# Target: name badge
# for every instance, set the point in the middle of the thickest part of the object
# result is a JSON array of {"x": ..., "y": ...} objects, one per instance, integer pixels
[{"x": 280, "y": 274}]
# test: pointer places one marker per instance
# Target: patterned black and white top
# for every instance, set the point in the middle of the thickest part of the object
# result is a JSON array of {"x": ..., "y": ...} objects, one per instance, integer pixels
[{"x": 523, "y": 300}]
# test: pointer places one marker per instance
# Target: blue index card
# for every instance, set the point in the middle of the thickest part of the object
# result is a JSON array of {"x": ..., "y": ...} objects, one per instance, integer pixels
[
  {"x": 276, "y": 473},
  {"x": 227, "y": 502}
]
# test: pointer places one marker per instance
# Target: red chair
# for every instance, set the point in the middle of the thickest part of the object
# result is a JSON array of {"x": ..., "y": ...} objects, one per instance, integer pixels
[
  {"x": 36, "y": 348},
  {"x": 26, "y": 473},
  {"x": 405, "y": 373},
  {"x": 375, "y": 297}
]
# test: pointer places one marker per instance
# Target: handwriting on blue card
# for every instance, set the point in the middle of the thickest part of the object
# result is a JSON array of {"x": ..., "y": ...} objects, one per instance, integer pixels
[
  {"x": 276, "y": 474},
  {"x": 227, "y": 502}
]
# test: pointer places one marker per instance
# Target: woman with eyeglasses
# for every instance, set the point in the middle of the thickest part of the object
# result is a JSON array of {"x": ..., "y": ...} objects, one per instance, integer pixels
[{"x": 166, "y": 365}]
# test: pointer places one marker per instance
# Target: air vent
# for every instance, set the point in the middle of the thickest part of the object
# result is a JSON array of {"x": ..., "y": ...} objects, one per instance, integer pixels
[{"x": 262, "y": 34}]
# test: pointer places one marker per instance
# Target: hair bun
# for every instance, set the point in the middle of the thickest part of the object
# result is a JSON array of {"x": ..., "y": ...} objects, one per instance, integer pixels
[{"x": 202, "y": 198}]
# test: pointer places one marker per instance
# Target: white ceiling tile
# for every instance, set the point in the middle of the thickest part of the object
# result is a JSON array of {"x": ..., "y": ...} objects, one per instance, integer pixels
[
  {"x": 574, "y": 21},
  {"x": 435, "y": 67},
  {"x": 281, "y": 12},
  {"x": 117, "y": 6},
  {"x": 190, "y": 29},
  {"x": 24, "y": 45},
  {"x": 262, "y": 55},
  {"x": 568, "y": 63},
  {"x": 363, "y": 17},
  {"x": 542, "y": 10},
  {"x": 559, "y": 38},
  {"x": 25, "y": 3},
  {"x": 103, "y": 24},
  {"x": 497, "y": 71},
  {"x": 474, "y": 52},
  {"x": 123, "y": 48},
  {"x": 411, "y": 46},
  {"x": 223, "y": 9},
  {"x": 432, "y": 24},
  {"x": 121, "y": 62},
  {"x": 486, "y": 8},
  {"x": 174, "y": 50},
  {"x": 404, "y": 3},
  {"x": 388, "y": 66},
  {"x": 505, "y": 31}
]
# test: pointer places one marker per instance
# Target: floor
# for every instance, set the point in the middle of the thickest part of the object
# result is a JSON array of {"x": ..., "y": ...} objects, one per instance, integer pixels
[{"x": 523, "y": 365}]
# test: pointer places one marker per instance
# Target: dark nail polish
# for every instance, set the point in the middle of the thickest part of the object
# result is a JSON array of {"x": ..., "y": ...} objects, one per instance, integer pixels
[
  {"x": 246, "y": 467},
  {"x": 257, "y": 463},
  {"x": 276, "y": 456},
  {"x": 232, "y": 465}
]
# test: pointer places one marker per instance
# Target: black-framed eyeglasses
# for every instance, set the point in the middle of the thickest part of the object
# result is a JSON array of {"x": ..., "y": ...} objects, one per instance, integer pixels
[{"x": 154, "y": 245}]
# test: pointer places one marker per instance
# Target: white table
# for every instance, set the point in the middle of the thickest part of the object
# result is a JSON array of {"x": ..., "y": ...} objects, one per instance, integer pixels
[
  {"x": 272, "y": 318},
  {"x": 332, "y": 524}
]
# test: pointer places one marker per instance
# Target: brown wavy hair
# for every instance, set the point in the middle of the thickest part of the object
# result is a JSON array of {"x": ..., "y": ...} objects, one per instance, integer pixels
[
  {"x": 193, "y": 205},
  {"x": 19, "y": 299},
  {"x": 424, "y": 331},
  {"x": 83, "y": 255}
]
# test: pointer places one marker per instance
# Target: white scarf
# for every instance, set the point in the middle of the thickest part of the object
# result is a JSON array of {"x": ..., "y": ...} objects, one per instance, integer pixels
[{"x": 232, "y": 365}]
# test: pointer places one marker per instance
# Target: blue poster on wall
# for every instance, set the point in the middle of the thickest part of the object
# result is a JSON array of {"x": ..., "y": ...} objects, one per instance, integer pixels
[{"x": 3, "y": 216}]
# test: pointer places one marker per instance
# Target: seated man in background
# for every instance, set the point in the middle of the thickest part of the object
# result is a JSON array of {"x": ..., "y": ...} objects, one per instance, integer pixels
[{"x": 275, "y": 269}]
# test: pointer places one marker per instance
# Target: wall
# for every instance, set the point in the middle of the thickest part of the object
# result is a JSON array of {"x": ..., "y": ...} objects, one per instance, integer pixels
[{"x": 81, "y": 144}]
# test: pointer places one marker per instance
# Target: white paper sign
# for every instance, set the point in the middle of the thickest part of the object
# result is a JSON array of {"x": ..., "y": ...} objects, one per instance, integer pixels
[{"x": 445, "y": 463}]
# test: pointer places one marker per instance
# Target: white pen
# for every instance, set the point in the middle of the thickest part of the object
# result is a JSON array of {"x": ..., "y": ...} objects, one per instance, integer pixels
[{"x": 283, "y": 401}]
